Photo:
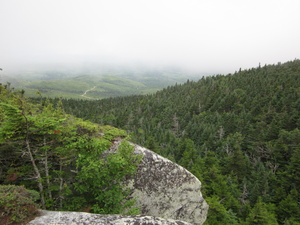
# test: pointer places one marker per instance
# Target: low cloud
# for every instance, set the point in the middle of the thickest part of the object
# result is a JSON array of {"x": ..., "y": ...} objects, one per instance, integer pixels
[{"x": 199, "y": 35}]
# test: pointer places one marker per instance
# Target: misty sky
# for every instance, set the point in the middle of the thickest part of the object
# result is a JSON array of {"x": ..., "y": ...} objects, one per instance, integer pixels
[{"x": 210, "y": 36}]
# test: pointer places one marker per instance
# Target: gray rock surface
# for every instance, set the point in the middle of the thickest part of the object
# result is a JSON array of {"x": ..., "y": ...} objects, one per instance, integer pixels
[
  {"x": 80, "y": 218},
  {"x": 165, "y": 189}
]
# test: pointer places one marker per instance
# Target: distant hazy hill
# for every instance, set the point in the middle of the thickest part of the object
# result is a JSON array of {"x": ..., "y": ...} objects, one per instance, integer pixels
[
  {"x": 13, "y": 81},
  {"x": 86, "y": 86},
  {"x": 91, "y": 85}
]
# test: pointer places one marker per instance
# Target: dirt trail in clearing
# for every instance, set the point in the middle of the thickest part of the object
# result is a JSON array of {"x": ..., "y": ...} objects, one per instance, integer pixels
[{"x": 84, "y": 94}]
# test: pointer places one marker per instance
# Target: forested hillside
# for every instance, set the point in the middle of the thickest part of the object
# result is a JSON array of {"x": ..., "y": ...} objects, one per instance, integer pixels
[
  {"x": 238, "y": 133},
  {"x": 61, "y": 157}
]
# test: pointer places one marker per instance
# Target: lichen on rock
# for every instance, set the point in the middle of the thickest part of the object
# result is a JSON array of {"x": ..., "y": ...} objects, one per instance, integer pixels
[{"x": 165, "y": 189}]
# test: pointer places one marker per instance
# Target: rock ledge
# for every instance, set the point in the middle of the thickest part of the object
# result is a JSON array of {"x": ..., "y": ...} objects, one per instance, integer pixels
[{"x": 81, "y": 218}]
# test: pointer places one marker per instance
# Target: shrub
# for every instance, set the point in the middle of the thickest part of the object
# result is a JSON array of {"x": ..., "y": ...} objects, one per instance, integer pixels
[{"x": 17, "y": 204}]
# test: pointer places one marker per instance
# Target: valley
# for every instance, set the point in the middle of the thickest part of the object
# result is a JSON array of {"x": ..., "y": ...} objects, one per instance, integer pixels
[{"x": 94, "y": 84}]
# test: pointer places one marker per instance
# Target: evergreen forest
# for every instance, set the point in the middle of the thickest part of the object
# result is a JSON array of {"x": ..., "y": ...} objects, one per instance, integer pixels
[{"x": 238, "y": 133}]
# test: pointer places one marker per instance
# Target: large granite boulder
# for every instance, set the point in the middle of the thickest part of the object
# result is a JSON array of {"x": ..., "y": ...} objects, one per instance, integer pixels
[
  {"x": 81, "y": 218},
  {"x": 165, "y": 189}
]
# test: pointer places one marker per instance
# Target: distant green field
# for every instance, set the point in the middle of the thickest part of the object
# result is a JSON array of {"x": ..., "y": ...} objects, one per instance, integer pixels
[{"x": 97, "y": 86}]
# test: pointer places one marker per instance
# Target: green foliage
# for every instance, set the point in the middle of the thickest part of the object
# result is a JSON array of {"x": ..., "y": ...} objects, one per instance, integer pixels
[
  {"x": 110, "y": 133},
  {"x": 289, "y": 208},
  {"x": 17, "y": 204},
  {"x": 262, "y": 213},
  {"x": 14, "y": 115},
  {"x": 68, "y": 160},
  {"x": 218, "y": 213},
  {"x": 189, "y": 153},
  {"x": 102, "y": 177}
]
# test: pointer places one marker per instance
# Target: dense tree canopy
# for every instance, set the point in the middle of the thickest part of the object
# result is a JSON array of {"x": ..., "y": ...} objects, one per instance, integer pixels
[{"x": 239, "y": 134}]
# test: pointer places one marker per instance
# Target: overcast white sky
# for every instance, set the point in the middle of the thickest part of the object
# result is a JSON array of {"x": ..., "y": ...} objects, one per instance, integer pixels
[{"x": 208, "y": 35}]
